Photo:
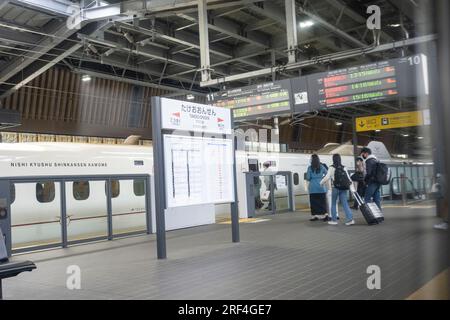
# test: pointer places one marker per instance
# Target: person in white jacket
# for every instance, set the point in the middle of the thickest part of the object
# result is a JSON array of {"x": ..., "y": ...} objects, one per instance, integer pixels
[{"x": 340, "y": 179}]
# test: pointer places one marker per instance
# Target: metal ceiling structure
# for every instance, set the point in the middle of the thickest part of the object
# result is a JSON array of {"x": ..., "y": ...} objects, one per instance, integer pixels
[{"x": 202, "y": 45}]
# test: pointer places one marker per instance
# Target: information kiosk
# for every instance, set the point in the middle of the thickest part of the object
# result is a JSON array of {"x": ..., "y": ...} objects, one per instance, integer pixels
[{"x": 193, "y": 149}]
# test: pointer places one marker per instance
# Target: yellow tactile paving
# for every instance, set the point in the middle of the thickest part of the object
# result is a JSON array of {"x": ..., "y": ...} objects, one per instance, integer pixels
[
  {"x": 436, "y": 289},
  {"x": 244, "y": 220}
]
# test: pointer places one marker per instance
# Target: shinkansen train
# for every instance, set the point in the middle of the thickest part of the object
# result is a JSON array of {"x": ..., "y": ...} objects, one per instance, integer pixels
[{"x": 35, "y": 207}]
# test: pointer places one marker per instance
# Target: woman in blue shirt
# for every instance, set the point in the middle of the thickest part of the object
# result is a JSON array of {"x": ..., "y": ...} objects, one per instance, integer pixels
[{"x": 317, "y": 193}]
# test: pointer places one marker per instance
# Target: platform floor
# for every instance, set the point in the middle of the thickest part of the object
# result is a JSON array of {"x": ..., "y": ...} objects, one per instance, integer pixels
[{"x": 279, "y": 257}]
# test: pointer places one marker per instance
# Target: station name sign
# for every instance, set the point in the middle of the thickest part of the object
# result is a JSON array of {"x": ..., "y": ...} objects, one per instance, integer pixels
[{"x": 188, "y": 116}]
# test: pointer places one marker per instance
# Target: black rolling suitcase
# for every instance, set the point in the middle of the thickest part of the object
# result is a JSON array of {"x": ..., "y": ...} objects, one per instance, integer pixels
[{"x": 370, "y": 211}]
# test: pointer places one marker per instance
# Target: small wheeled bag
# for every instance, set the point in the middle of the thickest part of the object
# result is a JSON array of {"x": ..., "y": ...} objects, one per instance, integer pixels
[{"x": 370, "y": 211}]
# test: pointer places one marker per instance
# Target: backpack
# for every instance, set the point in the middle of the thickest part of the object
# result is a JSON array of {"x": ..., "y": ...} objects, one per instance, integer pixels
[
  {"x": 383, "y": 174},
  {"x": 341, "y": 180}
]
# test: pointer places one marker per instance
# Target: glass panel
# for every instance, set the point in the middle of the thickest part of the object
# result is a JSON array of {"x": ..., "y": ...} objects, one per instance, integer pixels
[
  {"x": 115, "y": 188},
  {"x": 415, "y": 178},
  {"x": 86, "y": 210},
  {"x": 400, "y": 171},
  {"x": 12, "y": 192},
  {"x": 45, "y": 192},
  {"x": 281, "y": 193},
  {"x": 262, "y": 194},
  {"x": 36, "y": 223},
  {"x": 296, "y": 179},
  {"x": 80, "y": 190},
  {"x": 139, "y": 187},
  {"x": 128, "y": 209},
  {"x": 385, "y": 190}
]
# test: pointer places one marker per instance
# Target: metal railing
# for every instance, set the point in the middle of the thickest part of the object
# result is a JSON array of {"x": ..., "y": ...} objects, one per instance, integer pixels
[{"x": 65, "y": 218}]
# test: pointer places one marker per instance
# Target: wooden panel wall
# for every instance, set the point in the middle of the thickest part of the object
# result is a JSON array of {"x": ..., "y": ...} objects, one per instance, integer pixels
[{"x": 59, "y": 96}]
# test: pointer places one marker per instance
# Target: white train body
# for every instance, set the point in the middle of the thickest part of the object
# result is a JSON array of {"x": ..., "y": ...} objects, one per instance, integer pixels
[
  {"x": 35, "y": 221},
  {"x": 38, "y": 222}
]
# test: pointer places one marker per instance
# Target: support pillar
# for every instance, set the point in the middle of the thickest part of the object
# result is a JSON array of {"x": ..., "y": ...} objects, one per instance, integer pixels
[
  {"x": 205, "y": 63},
  {"x": 291, "y": 30}
]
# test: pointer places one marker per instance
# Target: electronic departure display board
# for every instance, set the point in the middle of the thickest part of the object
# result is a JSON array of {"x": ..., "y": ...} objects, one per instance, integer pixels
[
  {"x": 402, "y": 77},
  {"x": 364, "y": 84},
  {"x": 251, "y": 102}
]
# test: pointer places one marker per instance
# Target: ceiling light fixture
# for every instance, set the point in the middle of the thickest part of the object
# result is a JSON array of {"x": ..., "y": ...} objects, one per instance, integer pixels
[
  {"x": 306, "y": 24},
  {"x": 92, "y": 48},
  {"x": 338, "y": 123},
  {"x": 86, "y": 78},
  {"x": 129, "y": 37},
  {"x": 109, "y": 52}
]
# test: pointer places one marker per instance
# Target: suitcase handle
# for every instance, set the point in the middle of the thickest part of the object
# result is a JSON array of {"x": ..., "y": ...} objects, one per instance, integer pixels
[{"x": 358, "y": 198}]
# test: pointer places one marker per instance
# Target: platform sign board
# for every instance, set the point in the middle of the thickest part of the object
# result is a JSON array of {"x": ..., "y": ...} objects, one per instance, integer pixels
[
  {"x": 392, "y": 121},
  {"x": 186, "y": 116},
  {"x": 194, "y": 154},
  {"x": 257, "y": 101}
]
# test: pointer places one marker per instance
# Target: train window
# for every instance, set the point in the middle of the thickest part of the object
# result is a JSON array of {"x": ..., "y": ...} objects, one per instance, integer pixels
[
  {"x": 296, "y": 179},
  {"x": 80, "y": 190},
  {"x": 139, "y": 187},
  {"x": 45, "y": 192},
  {"x": 12, "y": 192},
  {"x": 115, "y": 188}
]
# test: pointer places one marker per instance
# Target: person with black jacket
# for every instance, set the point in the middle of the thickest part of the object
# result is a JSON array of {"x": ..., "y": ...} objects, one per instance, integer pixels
[
  {"x": 373, "y": 191},
  {"x": 358, "y": 179}
]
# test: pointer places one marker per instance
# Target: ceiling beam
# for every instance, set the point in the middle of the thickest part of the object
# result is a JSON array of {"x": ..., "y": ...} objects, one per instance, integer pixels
[
  {"x": 9, "y": 33},
  {"x": 28, "y": 72},
  {"x": 53, "y": 7},
  {"x": 326, "y": 58},
  {"x": 3, "y": 4},
  {"x": 149, "y": 52},
  {"x": 153, "y": 7},
  {"x": 234, "y": 30},
  {"x": 180, "y": 37},
  {"x": 338, "y": 4},
  {"x": 119, "y": 61},
  {"x": 332, "y": 28},
  {"x": 59, "y": 34},
  {"x": 128, "y": 80}
]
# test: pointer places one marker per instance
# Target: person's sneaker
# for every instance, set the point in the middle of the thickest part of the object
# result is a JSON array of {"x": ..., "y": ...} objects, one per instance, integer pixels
[
  {"x": 350, "y": 223},
  {"x": 327, "y": 218},
  {"x": 333, "y": 223}
]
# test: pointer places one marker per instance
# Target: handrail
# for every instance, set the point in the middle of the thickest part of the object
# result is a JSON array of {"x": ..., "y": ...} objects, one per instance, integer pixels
[
  {"x": 416, "y": 192},
  {"x": 75, "y": 219}
]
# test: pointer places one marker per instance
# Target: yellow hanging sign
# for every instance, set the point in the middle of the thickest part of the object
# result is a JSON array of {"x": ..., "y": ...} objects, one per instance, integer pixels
[{"x": 392, "y": 121}]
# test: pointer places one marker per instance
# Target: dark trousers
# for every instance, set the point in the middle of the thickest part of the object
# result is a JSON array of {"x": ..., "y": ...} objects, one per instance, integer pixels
[
  {"x": 373, "y": 192},
  {"x": 361, "y": 190}
]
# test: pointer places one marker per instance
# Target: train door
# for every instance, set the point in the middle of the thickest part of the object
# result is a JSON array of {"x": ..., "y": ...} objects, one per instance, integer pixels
[
  {"x": 36, "y": 220},
  {"x": 5, "y": 216},
  {"x": 258, "y": 184}
]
